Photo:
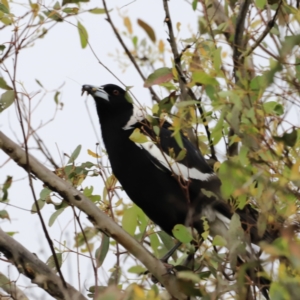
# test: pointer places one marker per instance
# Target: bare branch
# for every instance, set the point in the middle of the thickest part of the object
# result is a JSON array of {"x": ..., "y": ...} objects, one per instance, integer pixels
[
  {"x": 17, "y": 45},
  {"x": 11, "y": 288},
  {"x": 268, "y": 28},
  {"x": 33, "y": 268},
  {"x": 109, "y": 20},
  {"x": 177, "y": 57},
  {"x": 238, "y": 46},
  {"x": 95, "y": 215},
  {"x": 238, "y": 38}
]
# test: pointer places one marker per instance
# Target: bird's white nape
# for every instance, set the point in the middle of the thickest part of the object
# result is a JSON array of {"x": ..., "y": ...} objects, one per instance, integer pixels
[{"x": 138, "y": 115}]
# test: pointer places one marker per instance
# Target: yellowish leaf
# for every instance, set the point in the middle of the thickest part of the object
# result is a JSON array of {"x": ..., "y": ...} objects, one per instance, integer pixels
[
  {"x": 91, "y": 153},
  {"x": 161, "y": 46},
  {"x": 128, "y": 25},
  {"x": 148, "y": 30}
]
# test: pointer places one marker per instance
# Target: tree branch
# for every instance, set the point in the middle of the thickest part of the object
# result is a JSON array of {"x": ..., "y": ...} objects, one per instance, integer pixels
[
  {"x": 238, "y": 38},
  {"x": 11, "y": 289},
  {"x": 238, "y": 46},
  {"x": 95, "y": 215},
  {"x": 177, "y": 57},
  {"x": 33, "y": 268},
  {"x": 109, "y": 20},
  {"x": 268, "y": 28}
]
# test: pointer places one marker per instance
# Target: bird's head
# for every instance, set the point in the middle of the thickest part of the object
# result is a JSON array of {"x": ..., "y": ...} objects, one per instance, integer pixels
[
  {"x": 109, "y": 95},
  {"x": 113, "y": 103}
]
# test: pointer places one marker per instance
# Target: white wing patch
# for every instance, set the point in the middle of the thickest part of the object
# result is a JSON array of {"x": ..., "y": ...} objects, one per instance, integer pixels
[
  {"x": 174, "y": 166},
  {"x": 137, "y": 116}
]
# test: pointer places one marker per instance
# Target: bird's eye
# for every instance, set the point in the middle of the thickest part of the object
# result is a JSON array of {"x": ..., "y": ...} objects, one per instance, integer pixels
[{"x": 116, "y": 92}]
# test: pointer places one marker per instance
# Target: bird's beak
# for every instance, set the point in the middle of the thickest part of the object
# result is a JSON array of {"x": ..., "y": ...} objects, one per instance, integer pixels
[{"x": 95, "y": 91}]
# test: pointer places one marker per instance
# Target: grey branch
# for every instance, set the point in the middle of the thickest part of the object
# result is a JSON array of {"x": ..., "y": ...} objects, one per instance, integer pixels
[
  {"x": 177, "y": 58},
  {"x": 11, "y": 289},
  {"x": 33, "y": 268},
  {"x": 239, "y": 32},
  {"x": 95, "y": 215},
  {"x": 238, "y": 46},
  {"x": 268, "y": 28}
]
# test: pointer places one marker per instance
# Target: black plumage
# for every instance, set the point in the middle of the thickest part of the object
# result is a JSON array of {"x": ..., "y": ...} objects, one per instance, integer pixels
[{"x": 170, "y": 192}]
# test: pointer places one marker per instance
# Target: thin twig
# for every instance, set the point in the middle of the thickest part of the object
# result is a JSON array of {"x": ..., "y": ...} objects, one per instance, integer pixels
[
  {"x": 238, "y": 38},
  {"x": 177, "y": 57},
  {"x": 28, "y": 169},
  {"x": 237, "y": 62},
  {"x": 109, "y": 20},
  {"x": 89, "y": 249},
  {"x": 268, "y": 28}
]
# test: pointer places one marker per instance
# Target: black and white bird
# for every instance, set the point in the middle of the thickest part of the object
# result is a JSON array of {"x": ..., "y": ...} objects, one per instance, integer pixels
[{"x": 170, "y": 191}]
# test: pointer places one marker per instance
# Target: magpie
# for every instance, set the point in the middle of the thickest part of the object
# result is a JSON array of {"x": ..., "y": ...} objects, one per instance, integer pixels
[{"x": 170, "y": 181}]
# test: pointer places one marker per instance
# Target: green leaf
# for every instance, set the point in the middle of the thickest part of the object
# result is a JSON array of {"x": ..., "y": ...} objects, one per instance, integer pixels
[
  {"x": 187, "y": 103},
  {"x": 168, "y": 242},
  {"x": 113, "y": 280},
  {"x": 4, "y": 214},
  {"x": 102, "y": 251},
  {"x": 71, "y": 10},
  {"x": 54, "y": 15},
  {"x": 166, "y": 104},
  {"x": 97, "y": 11},
  {"x": 289, "y": 43},
  {"x": 182, "y": 233},
  {"x": 39, "y": 83},
  {"x": 57, "y": 6},
  {"x": 137, "y": 270},
  {"x": 73, "y": 1},
  {"x": 51, "y": 262},
  {"x": 6, "y": 100},
  {"x": 138, "y": 137},
  {"x": 6, "y": 185},
  {"x": 129, "y": 220},
  {"x": 3, "y": 84},
  {"x": 178, "y": 139},
  {"x": 288, "y": 138},
  {"x": 148, "y": 30},
  {"x": 188, "y": 275},
  {"x": 181, "y": 155},
  {"x": 261, "y": 3},
  {"x": 84, "y": 37},
  {"x": 219, "y": 241},
  {"x": 88, "y": 234},
  {"x": 128, "y": 97},
  {"x": 273, "y": 107},
  {"x": 88, "y": 191},
  {"x": 54, "y": 216},
  {"x": 56, "y": 97},
  {"x": 279, "y": 292},
  {"x": 74, "y": 154},
  {"x": 41, "y": 204},
  {"x": 45, "y": 193},
  {"x": 154, "y": 242},
  {"x": 217, "y": 133},
  {"x": 159, "y": 76},
  {"x": 194, "y": 5},
  {"x": 217, "y": 59},
  {"x": 4, "y": 8},
  {"x": 203, "y": 78}
]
